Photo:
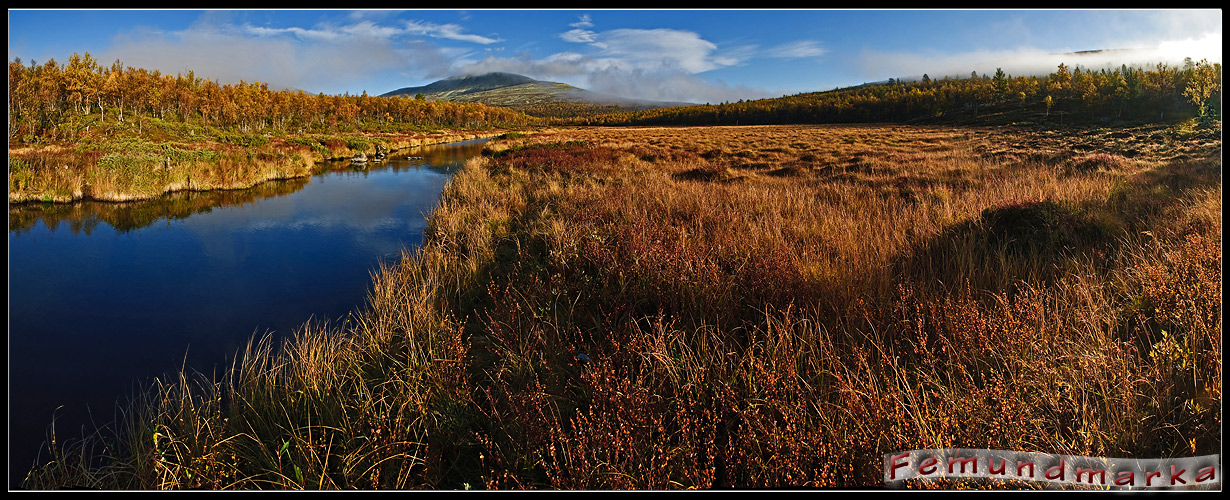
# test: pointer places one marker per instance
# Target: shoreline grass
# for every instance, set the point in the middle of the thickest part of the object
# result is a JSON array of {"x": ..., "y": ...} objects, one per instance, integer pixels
[
  {"x": 137, "y": 168},
  {"x": 760, "y": 307}
]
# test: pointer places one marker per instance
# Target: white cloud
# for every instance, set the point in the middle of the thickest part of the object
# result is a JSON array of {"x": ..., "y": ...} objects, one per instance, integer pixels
[
  {"x": 1189, "y": 23},
  {"x": 650, "y": 49},
  {"x": 446, "y": 31},
  {"x": 566, "y": 57},
  {"x": 566, "y": 65},
  {"x": 659, "y": 49},
  {"x": 368, "y": 29},
  {"x": 371, "y": 30},
  {"x": 306, "y": 34},
  {"x": 610, "y": 76},
  {"x": 654, "y": 64},
  {"x": 660, "y": 64},
  {"x": 314, "y": 60},
  {"x": 875, "y": 65},
  {"x": 1133, "y": 37},
  {"x": 1207, "y": 46},
  {"x": 666, "y": 86},
  {"x": 797, "y": 50},
  {"x": 578, "y": 36},
  {"x": 584, "y": 22}
]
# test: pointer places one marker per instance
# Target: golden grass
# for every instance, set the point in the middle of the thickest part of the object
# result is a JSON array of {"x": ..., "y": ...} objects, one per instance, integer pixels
[{"x": 761, "y": 307}]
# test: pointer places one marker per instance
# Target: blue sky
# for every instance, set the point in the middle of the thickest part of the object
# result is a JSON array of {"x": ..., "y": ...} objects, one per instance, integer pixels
[{"x": 679, "y": 55}]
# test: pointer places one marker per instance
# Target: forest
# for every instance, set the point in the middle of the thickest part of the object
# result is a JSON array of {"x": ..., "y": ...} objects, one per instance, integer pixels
[
  {"x": 52, "y": 101},
  {"x": 1126, "y": 93}
]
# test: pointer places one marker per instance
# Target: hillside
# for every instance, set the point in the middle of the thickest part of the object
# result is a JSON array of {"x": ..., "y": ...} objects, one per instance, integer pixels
[
  {"x": 1067, "y": 97},
  {"x": 533, "y": 97}
]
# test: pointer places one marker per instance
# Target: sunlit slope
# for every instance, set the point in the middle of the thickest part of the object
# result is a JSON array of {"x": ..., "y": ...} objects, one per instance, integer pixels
[{"x": 523, "y": 93}]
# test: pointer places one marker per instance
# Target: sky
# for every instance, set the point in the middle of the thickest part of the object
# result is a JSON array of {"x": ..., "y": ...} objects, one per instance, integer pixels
[{"x": 701, "y": 56}]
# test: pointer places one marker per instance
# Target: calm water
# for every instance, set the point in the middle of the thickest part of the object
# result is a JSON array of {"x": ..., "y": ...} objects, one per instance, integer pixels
[{"x": 104, "y": 297}]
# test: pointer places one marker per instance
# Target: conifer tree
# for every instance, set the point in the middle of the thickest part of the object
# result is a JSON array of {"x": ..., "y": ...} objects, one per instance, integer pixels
[{"x": 1000, "y": 84}]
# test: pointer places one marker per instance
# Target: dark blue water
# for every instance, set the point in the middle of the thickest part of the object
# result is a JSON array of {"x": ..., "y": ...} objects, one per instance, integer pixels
[{"x": 103, "y": 298}]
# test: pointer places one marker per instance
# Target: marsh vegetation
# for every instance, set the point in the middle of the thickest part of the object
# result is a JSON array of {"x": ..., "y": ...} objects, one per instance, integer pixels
[{"x": 757, "y": 307}]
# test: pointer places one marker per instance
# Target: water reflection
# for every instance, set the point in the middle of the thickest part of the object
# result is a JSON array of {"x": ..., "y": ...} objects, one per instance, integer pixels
[
  {"x": 106, "y": 296},
  {"x": 84, "y": 217}
]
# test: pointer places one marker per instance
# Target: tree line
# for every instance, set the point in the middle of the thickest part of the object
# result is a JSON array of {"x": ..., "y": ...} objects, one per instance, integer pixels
[
  {"x": 1125, "y": 93},
  {"x": 52, "y": 101},
  {"x": 44, "y": 97}
]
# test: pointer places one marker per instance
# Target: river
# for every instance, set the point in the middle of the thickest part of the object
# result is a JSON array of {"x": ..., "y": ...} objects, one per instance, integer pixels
[{"x": 104, "y": 297}]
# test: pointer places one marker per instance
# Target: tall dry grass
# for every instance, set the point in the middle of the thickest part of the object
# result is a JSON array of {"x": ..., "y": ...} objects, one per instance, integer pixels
[{"x": 757, "y": 307}]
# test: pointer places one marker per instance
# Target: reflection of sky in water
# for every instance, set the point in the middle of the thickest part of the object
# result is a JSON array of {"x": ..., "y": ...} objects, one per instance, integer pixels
[
  {"x": 375, "y": 213},
  {"x": 90, "y": 315}
]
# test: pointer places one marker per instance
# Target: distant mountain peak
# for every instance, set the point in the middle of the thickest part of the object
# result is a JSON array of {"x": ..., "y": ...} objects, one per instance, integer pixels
[
  {"x": 518, "y": 91},
  {"x": 466, "y": 84},
  {"x": 494, "y": 80},
  {"x": 494, "y": 75}
]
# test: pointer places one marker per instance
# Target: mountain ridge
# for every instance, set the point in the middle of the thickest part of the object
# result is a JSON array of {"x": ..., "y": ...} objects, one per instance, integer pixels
[{"x": 522, "y": 92}]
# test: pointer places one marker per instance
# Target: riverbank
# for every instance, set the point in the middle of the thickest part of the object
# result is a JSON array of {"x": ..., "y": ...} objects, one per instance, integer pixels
[
  {"x": 135, "y": 168},
  {"x": 735, "y": 307}
]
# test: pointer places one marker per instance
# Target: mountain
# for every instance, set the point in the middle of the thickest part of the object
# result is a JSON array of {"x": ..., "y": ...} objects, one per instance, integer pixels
[
  {"x": 455, "y": 88},
  {"x": 535, "y": 97}
]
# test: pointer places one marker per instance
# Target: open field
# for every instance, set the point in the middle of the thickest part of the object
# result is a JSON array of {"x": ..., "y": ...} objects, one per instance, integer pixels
[{"x": 760, "y": 307}]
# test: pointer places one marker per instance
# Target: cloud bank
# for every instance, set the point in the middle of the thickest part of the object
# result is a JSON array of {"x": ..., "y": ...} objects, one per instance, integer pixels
[
  {"x": 295, "y": 58},
  {"x": 877, "y": 65},
  {"x": 660, "y": 64},
  {"x": 1140, "y": 38},
  {"x": 376, "y": 47}
]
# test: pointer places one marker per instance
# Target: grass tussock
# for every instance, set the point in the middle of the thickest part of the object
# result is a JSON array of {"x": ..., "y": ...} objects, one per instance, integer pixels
[{"x": 606, "y": 309}]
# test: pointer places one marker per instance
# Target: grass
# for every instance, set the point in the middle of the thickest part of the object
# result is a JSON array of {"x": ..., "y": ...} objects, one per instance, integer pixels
[
  {"x": 761, "y": 307},
  {"x": 130, "y": 166}
]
